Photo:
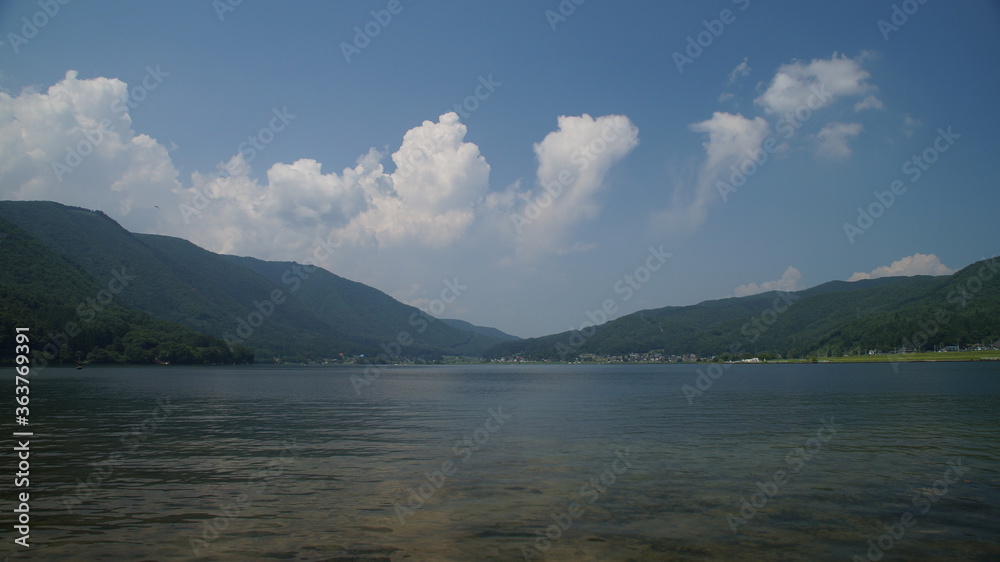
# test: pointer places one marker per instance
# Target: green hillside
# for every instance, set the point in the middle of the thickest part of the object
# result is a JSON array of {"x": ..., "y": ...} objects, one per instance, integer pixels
[
  {"x": 485, "y": 330},
  {"x": 368, "y": 313},
  {"x": 75, "y": 317},
  {"x": 828, "y": 320},
  {"x": 276, "y": 308},
  {"x": 148, "y": 298}
]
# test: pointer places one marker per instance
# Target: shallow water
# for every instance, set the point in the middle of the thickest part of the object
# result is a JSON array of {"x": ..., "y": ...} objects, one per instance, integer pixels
[{"x": 610, "y": 462}]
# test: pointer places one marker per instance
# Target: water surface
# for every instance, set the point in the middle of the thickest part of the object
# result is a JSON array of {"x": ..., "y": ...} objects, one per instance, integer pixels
[{"x": 508, "y": 462}]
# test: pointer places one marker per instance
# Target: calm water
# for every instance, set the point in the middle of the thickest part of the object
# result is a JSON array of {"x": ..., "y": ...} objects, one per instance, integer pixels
[{"x": 611, "y": 462}]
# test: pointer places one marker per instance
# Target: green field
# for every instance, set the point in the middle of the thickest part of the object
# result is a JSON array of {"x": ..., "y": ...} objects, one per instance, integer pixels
[{"x": 929, "y": 356}]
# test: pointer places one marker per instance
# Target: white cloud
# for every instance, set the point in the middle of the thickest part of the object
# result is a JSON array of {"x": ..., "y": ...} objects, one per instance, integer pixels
[
  {"x": 870, "y": 102},
  {"x": 438, "y": 181},
  {"x": 573, "y": 162},
  {"x": 431, "y": 214},
  {"x": 731, "y": 139},
  {"x": 816, "y": 84},
  {"x": 428, "y": 201},
  {"x": 74, "y": 144},
  {"x": 734, "y": 139},
  {"x": 917, "y": 264},
  {"x": 277, "y": 219},
  {"x": 832, "y": 139},
  {"x": 742, "y": 70},
  {"x": 790, "y": 281}
]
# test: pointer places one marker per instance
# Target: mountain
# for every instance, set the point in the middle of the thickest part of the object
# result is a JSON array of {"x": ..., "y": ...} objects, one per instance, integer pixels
[
  {"x": 468, "y": 327},
  {"x": 73, "y": 316},
  {"x": 93, "y": 290},
  {"x": 372, "y": 315},
  {"x": 834, "y": 318},
  {"x": 279, "y": 309}
]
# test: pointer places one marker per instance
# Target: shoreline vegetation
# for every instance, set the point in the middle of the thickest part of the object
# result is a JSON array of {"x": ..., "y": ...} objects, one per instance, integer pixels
[{"x": 926, "y": 357}]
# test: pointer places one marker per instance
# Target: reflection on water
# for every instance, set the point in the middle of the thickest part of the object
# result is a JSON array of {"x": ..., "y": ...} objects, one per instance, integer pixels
[{"x": 509, "y": 462}]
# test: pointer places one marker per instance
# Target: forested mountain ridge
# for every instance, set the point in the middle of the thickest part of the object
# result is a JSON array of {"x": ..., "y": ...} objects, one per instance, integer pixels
[
  {"x": 835, "y": 318},
  {"x": 75, "y": 317},
  {"x": 149, "y": 298},
  {"x": 236, "y": 299}
]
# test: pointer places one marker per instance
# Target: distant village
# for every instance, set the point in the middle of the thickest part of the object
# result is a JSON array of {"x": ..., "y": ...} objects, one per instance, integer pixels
[{"x": 658, "y": 357}]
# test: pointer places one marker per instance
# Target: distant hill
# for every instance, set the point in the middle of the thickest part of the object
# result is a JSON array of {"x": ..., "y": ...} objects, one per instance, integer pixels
[
  {"x": 146, "y": 298},
  {"x": 320, "y": 315},
  {"x": 468, "y": 327},
  {"x": 828, "y": 320},
  {"x": 75, "y": 317}
]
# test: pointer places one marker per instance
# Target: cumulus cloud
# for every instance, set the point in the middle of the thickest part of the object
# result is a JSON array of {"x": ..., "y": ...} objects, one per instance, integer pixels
[
  {"x": 573, "y": 162},
  {"x": 74, "y": 143},
  {"x": 438, "y": 181},
  {"x": 790, "y": 281},
  {"x": 731, "y": 138},
  {"x": 832, "y": 140},
  {"x": 233, "y": 213},
  {"x": 917, "y": 264},
  {"x": 426, "y": 208},
  {"x": 428, "y": 200},
  {"x": 816, "y": 84}
]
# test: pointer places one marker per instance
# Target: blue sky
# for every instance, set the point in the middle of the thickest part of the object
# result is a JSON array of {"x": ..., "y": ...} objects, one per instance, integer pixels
[{"x": 372, "y": 158}]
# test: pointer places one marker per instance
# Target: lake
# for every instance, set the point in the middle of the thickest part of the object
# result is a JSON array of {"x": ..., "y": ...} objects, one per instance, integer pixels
[{"x": 546, "y": 462}]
